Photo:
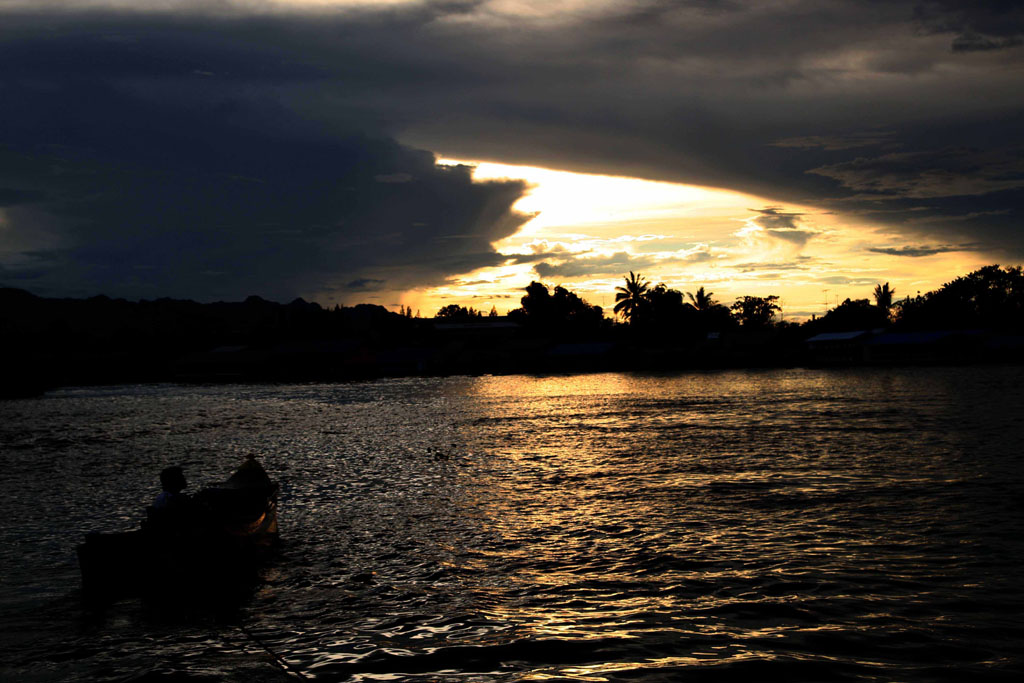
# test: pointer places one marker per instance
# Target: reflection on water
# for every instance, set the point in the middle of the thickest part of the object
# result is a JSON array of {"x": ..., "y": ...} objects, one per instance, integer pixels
[{"x": 803, "y": 525}]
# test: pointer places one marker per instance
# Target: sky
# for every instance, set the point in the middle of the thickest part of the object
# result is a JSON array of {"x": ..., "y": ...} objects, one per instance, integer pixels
[{"x": 418, "y": 152}]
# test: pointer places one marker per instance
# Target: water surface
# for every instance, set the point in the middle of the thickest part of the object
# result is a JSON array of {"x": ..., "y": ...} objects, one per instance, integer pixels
[{"x": 793, "y": 524}]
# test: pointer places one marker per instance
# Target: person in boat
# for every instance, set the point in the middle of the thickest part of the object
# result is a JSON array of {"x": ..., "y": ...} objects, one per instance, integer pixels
[
  {"x": 171, "y": 498},
  {"x": 173, "y": 514}
]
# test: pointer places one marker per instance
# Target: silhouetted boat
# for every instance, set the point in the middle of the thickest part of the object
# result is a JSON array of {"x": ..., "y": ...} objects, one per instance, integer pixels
[{"x": 214, "y": 542}]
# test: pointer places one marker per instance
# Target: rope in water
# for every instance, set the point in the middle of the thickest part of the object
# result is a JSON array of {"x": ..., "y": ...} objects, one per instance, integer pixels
[{"x": 278, "y": 659}]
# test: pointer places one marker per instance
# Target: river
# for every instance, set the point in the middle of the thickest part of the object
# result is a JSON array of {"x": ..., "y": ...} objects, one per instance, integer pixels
[{"x": 788, "y": 524}]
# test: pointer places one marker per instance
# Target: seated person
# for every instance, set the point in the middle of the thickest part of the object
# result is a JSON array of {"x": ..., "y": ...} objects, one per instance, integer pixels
[{"x": 172, "y": 480}]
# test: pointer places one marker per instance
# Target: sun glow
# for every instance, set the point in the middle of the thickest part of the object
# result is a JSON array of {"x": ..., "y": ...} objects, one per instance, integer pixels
[
  {"x": 588, "y": 231},
  {"x": 566, "y": 200}
]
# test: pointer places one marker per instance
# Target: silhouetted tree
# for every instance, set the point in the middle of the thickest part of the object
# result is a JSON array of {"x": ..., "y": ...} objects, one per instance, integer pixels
[
  {"x": 535, "y": 305},
  {"x": 631, "y": 300},
  {"x": 456, "y": 313},
  {"x": 702, "y": 301},
  {"x": 851, "y": 315},
  {"x": 570, "y": 308},
  {"x": 668, "y": 313},
  {"x": 883, "y": 297},
  {"x": 755, "y": 312},
  {"x": 714, "y": 317},
  {"x": 990, "y": 297},
  {"x": 561, "y": 311}
]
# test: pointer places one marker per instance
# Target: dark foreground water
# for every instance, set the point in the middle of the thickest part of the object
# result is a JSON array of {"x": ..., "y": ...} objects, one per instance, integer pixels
[{"x": 790, "y": 525}]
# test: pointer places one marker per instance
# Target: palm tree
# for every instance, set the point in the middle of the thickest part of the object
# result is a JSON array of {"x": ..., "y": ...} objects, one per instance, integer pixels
[
  {"x": 883, "y": 296},
  {"x": 632, "y": 298},
  {"x": 702, "y": 300}
]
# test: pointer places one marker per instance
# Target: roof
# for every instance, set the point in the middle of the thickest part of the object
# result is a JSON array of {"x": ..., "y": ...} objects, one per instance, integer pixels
[
  {"x": 837, "y": 336},
  {"x": 922, "y": 337}
]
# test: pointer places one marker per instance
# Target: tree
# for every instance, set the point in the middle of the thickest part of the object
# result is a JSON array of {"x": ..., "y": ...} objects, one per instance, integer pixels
[
  {"x": 572, "y": 311},
  {"x": 536, "y": 304},
  {"x": 853, "y": 314},
  {"x": 884, "y": 296},
  {"x": 456, "y": 313},
  {"x": 668, "y": 313},
  {"x": 755, "y": 312},
  {"x": 990, "y": 297},
  {"x": 702, "y": 301},
  {"x": 561, "y": 311},
  {"x": 631, "y": 300},
  {"x": 714, "y": 317}
]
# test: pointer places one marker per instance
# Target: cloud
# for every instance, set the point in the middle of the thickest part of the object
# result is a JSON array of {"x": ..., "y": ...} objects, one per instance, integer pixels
[
  {"x": 393, "y": 178},
  {"x": 615, "y": 264},
  {"x": 782, "y": 225},
  {"x": 845, "y": 280},
  {"x": 228, "y": 196},
  {"x": 13, "y": 197},
  {"x": 839, "y": 142},
  {"x": 774, "y": 218},
  {"x": 919, "y": 251},
  {"x": 979, "y": 25},
  {"x": 799, "y": 263},
  {"x": 134, "y": 130},
  {"x": 948, "y": 172},
  {"x": 567, "y": 264},
  {"x": 542, "y": 250},
  {"x": 700, "y": 254},
  {"x": 515, "y": 259},
  {"x": 365, "y": 284}
]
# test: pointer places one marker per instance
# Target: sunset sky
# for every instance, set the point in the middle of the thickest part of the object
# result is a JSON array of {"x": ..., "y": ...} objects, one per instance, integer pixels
[{"x": 424, "y": 153}]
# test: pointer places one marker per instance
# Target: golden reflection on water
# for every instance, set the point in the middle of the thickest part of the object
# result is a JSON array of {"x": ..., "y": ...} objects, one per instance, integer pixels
[
  {"x": 591, "y": 527},
  {"x": 614, "y": 499},
  {"x": 552, "y": 481}
]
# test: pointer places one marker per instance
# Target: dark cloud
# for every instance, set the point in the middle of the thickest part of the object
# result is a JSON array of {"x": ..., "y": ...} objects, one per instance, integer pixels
[
  {"x": 562, "y": 264},
  {"x": 515, "y": 259},
  {"x": 11, "y": 197},
  {"x": 919, "y": 251},
  {"x": 792, "y": 235},
  {"x": 542, "y": 252},
  {"x": 220, "y": 196},
  {"x": 799, "y": 263},
  {"x": 232, "y": 147},
  {"x": 977, "y": 24},
  {"x": 393, "y": 178},
  {"x": 616, "y": 264},
  {"x": 844, "y": 280},
  {"x": 783, "y": 225},
  {"x": 974, "y": 42},
  {"x": 701, "y": 255},
  {"x": 835, "y": 143},
  {"x": 774, "y": 218},
  {"x": 927, "y": 175},
  {"x": 365, "y": 284}
]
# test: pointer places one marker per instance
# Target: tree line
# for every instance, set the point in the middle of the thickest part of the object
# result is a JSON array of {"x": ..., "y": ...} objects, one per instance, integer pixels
[{"x": 991, "y": 297}]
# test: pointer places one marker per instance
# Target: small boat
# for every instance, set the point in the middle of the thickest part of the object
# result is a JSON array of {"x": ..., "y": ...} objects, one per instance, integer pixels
[{"x": 216, "y": 540}]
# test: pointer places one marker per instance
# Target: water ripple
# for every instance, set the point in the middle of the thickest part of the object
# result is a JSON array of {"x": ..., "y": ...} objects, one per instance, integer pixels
[{"x": 796, "y": 525}]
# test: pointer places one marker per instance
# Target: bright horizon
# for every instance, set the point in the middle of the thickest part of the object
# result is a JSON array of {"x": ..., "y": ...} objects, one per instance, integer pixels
[{"x": 589, "y": 230}]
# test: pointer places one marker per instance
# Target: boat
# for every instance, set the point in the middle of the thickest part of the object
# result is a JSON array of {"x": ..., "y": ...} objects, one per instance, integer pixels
[{"x": 214, "y": 542}]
